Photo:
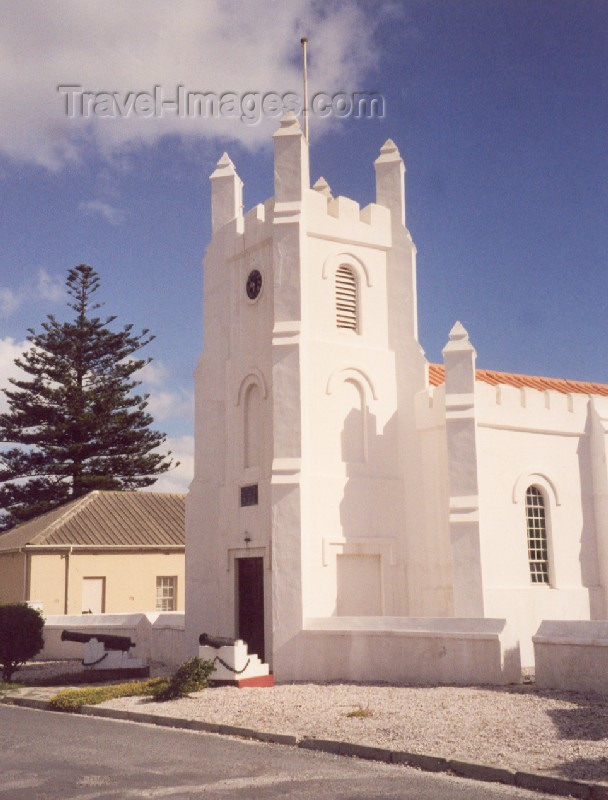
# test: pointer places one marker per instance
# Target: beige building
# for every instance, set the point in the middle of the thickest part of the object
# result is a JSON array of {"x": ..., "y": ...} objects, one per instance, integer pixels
[{"x": 107, "y": 552}]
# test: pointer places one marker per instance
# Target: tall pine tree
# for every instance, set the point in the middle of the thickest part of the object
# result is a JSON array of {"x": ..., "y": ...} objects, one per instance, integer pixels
[{"x": 78, "y": 423}]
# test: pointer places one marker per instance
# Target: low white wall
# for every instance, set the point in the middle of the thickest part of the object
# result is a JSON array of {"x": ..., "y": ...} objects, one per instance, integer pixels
[
  {"x": 157, "y": 636},
  {"x": 401, "y": 650},
  {"x": 572, "y": 655},
  {"x": 526, "y": 606},
  {"x": 396, "y": 649},
  {"x": 167, "y": 637}
]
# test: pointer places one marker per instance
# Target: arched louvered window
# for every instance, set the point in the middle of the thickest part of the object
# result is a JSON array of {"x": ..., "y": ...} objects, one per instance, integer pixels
[
  {"x": 538, "y": 555},
  {"x": 347, "y": 310}
]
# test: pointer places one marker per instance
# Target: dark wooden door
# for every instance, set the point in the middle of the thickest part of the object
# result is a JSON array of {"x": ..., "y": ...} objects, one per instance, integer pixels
[{"x": 250, "y": 602}]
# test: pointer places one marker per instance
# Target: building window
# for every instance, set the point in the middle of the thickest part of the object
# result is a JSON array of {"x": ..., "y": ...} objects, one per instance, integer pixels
[
  {"x": 249, "y": 495},
  {"x": 166, "y": 593},
  {"x": 538, "y": 556},
  {"x": 346, "y": 299}
]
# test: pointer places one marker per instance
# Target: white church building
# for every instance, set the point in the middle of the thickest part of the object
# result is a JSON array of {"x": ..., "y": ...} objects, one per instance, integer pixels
[{"x": 357, "y": 512}]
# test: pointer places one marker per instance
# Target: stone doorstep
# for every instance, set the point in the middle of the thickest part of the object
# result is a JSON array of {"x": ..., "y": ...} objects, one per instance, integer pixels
[{"x": 563, "y": 787}]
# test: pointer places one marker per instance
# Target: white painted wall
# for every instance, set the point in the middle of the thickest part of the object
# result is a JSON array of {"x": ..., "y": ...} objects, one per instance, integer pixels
[
  {"x": 572, "y": 655},
  {"x": 499, "y": 440},
  {"x": 328, "y": 400},
  {"x": 404, "y": 650},
  {"x": 157, "y": 636},
  {"x": 363, "y": 469},
  {"x": 527, "y": 437}
]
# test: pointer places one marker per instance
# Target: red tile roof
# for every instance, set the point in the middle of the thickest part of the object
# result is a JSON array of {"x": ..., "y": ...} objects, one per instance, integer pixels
[{"x": 437, "y": 377}]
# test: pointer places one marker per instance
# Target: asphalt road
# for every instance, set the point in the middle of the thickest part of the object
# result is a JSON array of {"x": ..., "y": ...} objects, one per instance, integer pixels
[{"x": 52, "y": 756}]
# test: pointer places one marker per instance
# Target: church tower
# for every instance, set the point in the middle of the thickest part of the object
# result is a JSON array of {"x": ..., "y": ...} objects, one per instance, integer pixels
[{"x": 305, "y": 447}]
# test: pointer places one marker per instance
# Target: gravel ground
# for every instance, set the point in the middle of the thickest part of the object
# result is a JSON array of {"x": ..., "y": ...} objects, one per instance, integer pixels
[{"x": 518, "y": 727}]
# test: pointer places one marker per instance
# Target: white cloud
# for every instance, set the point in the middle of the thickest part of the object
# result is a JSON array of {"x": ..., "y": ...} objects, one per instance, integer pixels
[
  {"x": 179, "y": 478},
  {"x": 167, "y": 404},
  {"x": 204, "y": 46},
  {"x": 51, "y": 287},
  {"x": 9, "y": 351},
  {"x": 9, "y": 301},
  {"x": 48, "y": 287},
  {"x": 110, "y": 213},
  {"x": 165, "y": 401},
  {"x": 154, "y": 374}
]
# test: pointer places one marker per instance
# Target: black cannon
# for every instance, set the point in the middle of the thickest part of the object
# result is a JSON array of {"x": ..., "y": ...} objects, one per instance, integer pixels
[
  {"x": 109, "y": 640},
  {"x": 215, "y": 641}
]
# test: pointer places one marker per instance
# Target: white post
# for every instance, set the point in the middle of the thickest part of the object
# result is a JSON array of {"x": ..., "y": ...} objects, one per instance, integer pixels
[
  {"x": 459, "y": 358},
  {"x": 304, "y": 42}
]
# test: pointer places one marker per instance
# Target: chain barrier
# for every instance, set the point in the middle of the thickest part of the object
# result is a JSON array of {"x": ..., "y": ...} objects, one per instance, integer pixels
[
  {"x": 92, "y": 663},
  {"x": 232, "y": 669}
]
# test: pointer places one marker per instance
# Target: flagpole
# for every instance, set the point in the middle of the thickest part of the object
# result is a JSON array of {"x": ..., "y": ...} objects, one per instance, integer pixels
[{"x": 304, "y": 42}]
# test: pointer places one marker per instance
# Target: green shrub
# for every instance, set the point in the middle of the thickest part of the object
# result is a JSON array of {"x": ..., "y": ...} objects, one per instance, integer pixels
[
  {"x": 192, "y": 676},
  {"x": 20, "y": 636},
  {"x": 74, "y": 699}
]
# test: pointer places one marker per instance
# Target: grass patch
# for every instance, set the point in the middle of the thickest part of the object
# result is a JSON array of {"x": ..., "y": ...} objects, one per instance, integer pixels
[
  {"x": 191, "y": 676},
  {"x": 360, "y": 712},
  {"x": 5, "y": 686},
  {"x": 74, "y": 699}
]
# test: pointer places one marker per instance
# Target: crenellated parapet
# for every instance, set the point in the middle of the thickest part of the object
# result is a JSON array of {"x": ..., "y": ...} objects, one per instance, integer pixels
[
  {"x": 525, "y": 408},
  {"x": 502, "y": 405},
  {"x": 328, "y": 216},
  {"x": 257, "y": 224},
  {"x": 338, "y": 218},
  {"x": 244, "y": 232},
  {"x": 375, "y": 224},
  {"x": 342, "y": 218}
]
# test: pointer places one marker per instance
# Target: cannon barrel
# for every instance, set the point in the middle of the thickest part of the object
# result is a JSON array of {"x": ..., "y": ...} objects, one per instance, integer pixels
[
  {"x": 110, "y": 640},
  {"x": 215, "y": 641}
]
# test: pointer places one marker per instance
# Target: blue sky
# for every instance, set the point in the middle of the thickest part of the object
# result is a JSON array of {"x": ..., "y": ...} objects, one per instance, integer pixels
[{"x": 499, "y": 108}]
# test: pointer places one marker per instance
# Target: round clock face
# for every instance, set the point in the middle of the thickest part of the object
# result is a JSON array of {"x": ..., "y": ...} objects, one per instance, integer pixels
[{"x": 254, "y": 284}]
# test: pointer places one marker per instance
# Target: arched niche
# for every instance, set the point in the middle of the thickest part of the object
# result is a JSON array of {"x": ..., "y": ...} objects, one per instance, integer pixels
[
  {"x": 352, "y": 390},
  {"x": 253, "y": 376},
  {"x": 251, "y": 393},
  {"x": 355, "y": 374}
]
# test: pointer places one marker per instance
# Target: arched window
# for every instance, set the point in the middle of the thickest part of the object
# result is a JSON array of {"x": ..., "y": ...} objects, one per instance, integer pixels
[
  {"x": 252, "y": 426},
  {"x": 347, "y": 310},
  {"x": 536, "y": 524}
]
